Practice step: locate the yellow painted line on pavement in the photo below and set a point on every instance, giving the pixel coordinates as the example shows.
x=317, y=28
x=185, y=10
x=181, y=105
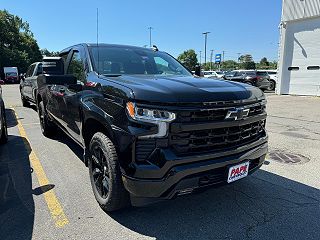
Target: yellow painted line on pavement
x=52, y=201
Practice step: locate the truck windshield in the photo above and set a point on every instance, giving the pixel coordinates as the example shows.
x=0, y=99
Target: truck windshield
x=113, y=60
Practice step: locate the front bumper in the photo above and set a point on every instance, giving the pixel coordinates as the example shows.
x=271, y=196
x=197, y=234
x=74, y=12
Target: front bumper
x=186, y=174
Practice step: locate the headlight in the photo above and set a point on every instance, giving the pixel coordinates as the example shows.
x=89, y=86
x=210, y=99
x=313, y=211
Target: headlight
x=158, y=117
x=149, y=115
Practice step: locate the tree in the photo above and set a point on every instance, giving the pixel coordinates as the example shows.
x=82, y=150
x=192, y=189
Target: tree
x=264, y=62
x=246, y=58
x=189, y=59
x=18, y=48
x=229, y=65
x=47, y=53
x=248, y=65
x=247, y=62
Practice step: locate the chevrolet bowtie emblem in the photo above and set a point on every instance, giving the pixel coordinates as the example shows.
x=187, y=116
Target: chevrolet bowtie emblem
x=237, y=113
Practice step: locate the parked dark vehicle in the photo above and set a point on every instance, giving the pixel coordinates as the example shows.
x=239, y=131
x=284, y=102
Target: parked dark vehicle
x=150, y=130
x=258, y=79
x=3, y=121
x=28, y=84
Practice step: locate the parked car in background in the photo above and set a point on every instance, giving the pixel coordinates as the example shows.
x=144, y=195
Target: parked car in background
x=273, y=74
x=29, y=86
x=11, y=75
x=213, y=74
x=3, y=121
x=255, y=78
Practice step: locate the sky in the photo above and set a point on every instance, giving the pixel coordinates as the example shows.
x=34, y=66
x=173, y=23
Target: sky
x=235, y=26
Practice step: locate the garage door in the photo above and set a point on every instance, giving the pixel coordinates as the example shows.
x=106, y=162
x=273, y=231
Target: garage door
x=302, y=61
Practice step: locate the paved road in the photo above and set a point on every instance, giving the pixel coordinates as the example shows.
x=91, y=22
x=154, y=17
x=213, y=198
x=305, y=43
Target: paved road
x=281, y=201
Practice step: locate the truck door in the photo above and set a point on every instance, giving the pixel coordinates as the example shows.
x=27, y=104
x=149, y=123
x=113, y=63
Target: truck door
x=27, y=82
x=71, y=110
x=56, y=105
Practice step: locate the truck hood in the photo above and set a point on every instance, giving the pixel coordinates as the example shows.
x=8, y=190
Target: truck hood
x=182, y=89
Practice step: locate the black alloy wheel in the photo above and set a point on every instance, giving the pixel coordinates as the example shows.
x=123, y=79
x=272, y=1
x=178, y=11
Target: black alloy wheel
x=100, y=171
x=105, y=174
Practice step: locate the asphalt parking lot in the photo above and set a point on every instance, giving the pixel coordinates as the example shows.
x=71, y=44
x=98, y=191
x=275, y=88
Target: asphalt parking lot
x=280, y=201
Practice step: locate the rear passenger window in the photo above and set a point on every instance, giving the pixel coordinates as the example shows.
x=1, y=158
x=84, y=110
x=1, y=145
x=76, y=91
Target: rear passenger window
x=313, y=67
x=31, y=70
x=293, y=68
x=76, y=67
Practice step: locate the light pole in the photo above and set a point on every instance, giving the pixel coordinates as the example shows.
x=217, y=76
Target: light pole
x=205, y=46
x=150, y=30
x=211, y=59
x=200, y=59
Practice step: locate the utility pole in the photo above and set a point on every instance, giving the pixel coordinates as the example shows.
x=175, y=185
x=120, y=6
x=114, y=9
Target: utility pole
x=211, y=59
x=200, y=59
x=150, y=30
x=223, y=52
x=205, y=46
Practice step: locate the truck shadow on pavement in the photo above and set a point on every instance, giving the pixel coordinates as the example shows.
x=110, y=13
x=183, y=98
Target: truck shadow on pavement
x=262, y=206
x=17, y=207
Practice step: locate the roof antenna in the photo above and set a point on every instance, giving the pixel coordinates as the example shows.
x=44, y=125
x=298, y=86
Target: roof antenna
x=98, y=68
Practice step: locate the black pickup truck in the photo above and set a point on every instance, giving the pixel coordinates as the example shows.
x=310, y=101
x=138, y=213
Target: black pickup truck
x=151, y=130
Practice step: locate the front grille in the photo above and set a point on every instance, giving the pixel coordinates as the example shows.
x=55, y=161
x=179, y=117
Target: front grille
x=217, y=139
x=219, y=114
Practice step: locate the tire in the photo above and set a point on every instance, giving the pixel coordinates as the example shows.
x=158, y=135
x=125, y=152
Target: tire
x=47, y=128
x=4, y=130
x=105, y=174
x=24, y=101
x=272, y=85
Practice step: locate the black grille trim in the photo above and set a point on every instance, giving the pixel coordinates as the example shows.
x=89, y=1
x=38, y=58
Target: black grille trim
x=216, y=114
x=216, y=139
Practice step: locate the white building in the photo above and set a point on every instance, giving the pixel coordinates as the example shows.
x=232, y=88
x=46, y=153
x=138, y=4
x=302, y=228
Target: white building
x=299, y=52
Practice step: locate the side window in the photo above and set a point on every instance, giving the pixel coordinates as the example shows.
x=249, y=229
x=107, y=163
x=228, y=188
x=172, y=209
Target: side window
x=39, y=70
x=31, y=70
x=76, y=67
x=162, y=65
x=28, y=71
x=64, y=57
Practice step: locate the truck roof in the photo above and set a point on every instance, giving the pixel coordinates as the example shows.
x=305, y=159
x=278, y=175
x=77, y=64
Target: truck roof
x=104, y=45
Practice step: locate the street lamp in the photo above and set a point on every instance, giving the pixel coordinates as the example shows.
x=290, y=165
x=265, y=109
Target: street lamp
x=211, y=59
x=200, y=59
x=205, y=46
